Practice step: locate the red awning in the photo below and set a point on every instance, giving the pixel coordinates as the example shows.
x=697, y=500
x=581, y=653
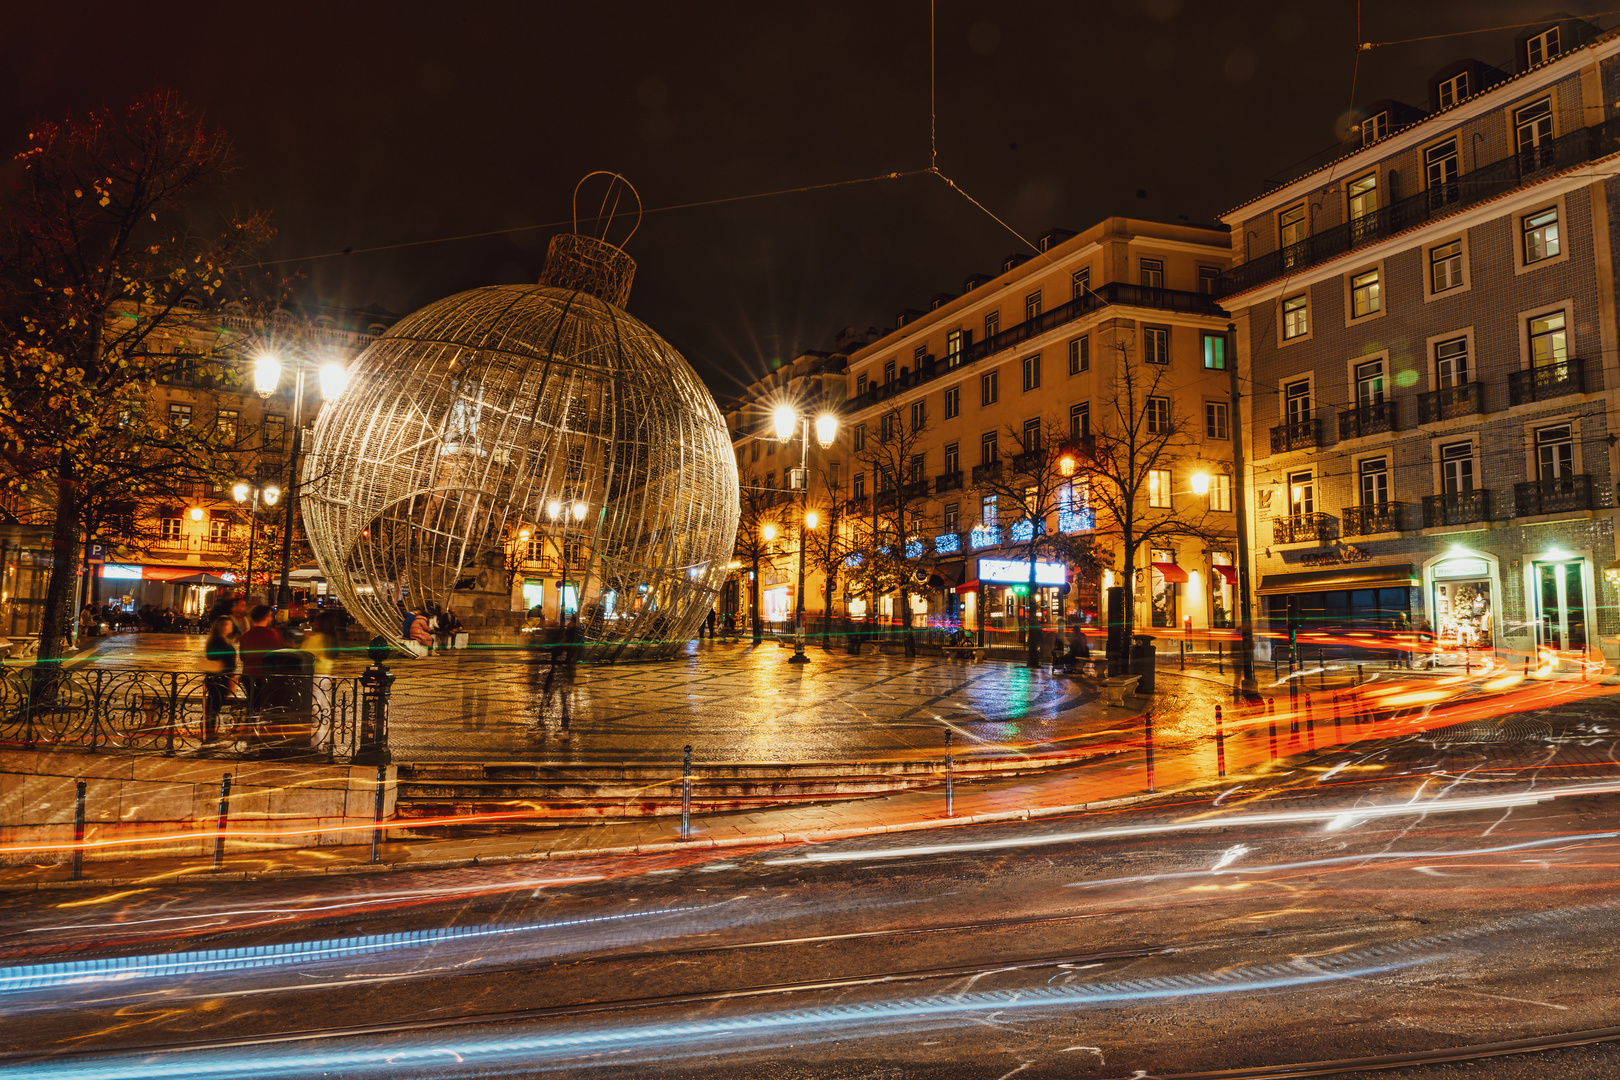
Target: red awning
x=1171, y=571
x=1227, y=572
x=967, y=587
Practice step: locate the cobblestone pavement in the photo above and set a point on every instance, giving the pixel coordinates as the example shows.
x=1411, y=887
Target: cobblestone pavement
x=736, y=703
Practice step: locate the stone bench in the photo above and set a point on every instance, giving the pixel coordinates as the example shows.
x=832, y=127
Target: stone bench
x=1117, y=688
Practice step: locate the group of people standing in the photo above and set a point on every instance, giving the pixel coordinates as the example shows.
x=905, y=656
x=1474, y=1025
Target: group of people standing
x=240, y=636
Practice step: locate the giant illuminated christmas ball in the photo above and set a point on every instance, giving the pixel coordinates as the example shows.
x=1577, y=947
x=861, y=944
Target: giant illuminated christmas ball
x=522, y=444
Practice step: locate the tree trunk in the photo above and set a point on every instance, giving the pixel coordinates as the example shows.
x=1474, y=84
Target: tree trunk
x=826, y=615
x=55, y=620
x=753, y=603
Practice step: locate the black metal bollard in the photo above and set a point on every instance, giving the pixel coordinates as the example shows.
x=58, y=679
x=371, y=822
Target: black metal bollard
x=1220, y=745
x=1184, y=654
x=78, y=832
x=950, y=780
x=1220, y=658
x=377, y=813
x=224, y=820
x=1360, y=675
x=686, y=795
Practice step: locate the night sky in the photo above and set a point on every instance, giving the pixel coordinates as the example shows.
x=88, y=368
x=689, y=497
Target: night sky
x=372, y=124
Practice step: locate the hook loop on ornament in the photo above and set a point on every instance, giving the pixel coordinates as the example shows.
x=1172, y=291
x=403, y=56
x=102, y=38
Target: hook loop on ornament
x=606, y=214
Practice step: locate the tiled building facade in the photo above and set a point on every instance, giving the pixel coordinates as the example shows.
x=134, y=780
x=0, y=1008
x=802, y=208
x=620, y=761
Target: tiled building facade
x=1040, y=345
x=1427, y=323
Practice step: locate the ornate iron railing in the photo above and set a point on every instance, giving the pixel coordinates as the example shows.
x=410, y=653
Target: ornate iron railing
x=1456, y=508
x=1466, y=399
x=1554, y=495
x=1547, y=381
x=1368, y=419
x=1302, y=529
x=138, y=711
x=1298, y=435
x=951, y=481
x=1375, y=518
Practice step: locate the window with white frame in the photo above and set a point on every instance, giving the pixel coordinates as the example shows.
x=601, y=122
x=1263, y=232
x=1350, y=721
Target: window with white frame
x=1297, y=401
x=1445, y=266
x=1296, y=317
x=1220, y=492
x=1301, y=493
x=1373, y=474
x=992, y=324
x=1079, y=355
x=1365, y=297
x=1457, y=468
x=1032, y=435
x=987, y=448
x=1079, y=283
x=1452, y=90
x=888, y=371
x=227, y=425
x=1532, y=129
x=988, y=390
x=1152, y=273
x=1540, y=231
x=989, y=517
x=1216, y=418
x=179, y=415
x=1375, y=127
x=1214, y=351
x=1555, y=453
x=1032, y=305
x=1159, y=488
x=857, y=438
x=1032, y=372
x=1158, y=415
x=953, y=402
x=1370, y=383
x=1291, y=226
x=1541, y=47
x=1440, y=163
x=953, y=348
x=952, y=512
x=1451, y=362
x=171, y=528
x=1363, y=192
x=1156, y=344
x=1080, y=420
x=1549, y=345
x=919, y=415
x=953, y=458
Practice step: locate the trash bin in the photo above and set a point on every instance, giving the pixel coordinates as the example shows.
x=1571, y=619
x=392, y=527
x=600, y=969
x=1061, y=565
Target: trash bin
x=1144, y=655
x=286, y=725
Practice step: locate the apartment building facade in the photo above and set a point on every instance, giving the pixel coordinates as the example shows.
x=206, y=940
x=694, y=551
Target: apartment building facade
x=1427, y=322
x=1041, y=347
x=171, y=549
x=812, y=384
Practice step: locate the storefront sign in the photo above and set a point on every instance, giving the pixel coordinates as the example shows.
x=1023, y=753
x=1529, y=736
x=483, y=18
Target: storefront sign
x=1461, y=568
x=1335, y=557
x=1008, y=572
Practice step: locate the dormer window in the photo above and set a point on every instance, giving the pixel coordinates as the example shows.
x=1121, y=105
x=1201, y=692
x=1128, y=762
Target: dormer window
x=1375, y=127
x=1543, y=46
x=1453, y=90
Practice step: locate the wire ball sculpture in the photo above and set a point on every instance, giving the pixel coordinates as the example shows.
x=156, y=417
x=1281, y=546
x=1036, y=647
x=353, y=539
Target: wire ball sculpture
x=527, y=431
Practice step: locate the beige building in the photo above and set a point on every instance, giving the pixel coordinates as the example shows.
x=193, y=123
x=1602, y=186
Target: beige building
x=812, y=384
x=1043, y=345
x=206, y=531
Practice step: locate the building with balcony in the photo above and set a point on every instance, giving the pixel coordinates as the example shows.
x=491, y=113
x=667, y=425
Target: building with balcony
x=1427, y=317
x=1038, y=347
x=167, y=553
x=775, y=491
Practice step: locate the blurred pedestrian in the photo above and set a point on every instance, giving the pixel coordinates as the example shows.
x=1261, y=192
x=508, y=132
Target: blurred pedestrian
x=322, y=642
x=261, y=638
x=219, y=678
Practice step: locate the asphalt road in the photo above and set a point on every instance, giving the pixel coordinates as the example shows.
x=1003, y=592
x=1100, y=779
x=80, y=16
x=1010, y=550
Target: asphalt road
x=1318, y=920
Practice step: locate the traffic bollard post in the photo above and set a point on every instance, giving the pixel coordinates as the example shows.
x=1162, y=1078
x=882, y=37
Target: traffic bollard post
x=1147, y=724
x=950, y=788
x=224, y=820
x=686, y=795
x=377, y=813
x=1220, y=745
x=78, y=832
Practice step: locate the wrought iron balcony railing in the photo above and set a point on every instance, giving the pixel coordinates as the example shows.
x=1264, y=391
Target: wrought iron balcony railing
x=951, y=481
x=1546, y=381
x=1029, y=462
x=983, y=473
x=1369, y=419
x=1465, y=399
x=1553, y=495
x=1456, y=508
x=1297, y=435
x=1479, y=185
x=1303, y=529
x=1373, y=519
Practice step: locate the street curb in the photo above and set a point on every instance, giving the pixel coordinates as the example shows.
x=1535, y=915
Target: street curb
x=662, y=847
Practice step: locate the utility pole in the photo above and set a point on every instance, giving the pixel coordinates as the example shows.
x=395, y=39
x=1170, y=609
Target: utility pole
x=1245, y=665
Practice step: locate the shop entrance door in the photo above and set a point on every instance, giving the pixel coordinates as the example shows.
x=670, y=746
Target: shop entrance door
x=1561, y=596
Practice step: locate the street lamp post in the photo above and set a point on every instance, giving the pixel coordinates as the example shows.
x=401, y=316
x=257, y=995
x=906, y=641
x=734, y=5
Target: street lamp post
x=243, y=492
x=266, y=380
x=786, y=419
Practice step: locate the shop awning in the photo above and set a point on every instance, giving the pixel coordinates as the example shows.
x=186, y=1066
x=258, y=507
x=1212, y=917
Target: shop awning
x=967, y=587
x=1338, y=577
x=1170, y=571
x=199, y=579
x=948, y=575
x=1227, y=572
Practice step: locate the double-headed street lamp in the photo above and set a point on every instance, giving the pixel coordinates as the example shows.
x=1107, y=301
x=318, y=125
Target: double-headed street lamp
x=787, y=419
x=266, y=380
x=243, y=491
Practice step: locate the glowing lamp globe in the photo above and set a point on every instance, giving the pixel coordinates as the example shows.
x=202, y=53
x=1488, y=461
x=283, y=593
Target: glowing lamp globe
x=544, y=406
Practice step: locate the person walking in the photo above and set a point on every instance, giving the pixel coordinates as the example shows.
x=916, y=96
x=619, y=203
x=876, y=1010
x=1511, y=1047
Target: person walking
x=452, y=627
x=261, y=638
x=219, y=679
x=709, y=622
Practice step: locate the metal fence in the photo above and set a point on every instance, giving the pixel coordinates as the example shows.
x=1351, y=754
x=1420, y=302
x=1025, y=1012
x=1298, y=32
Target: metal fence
x=130, y=710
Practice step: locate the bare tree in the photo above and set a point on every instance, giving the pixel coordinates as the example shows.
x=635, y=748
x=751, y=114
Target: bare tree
x=754, y=548
x=1038, y=493
x=1136, y=440
x=894, y=556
